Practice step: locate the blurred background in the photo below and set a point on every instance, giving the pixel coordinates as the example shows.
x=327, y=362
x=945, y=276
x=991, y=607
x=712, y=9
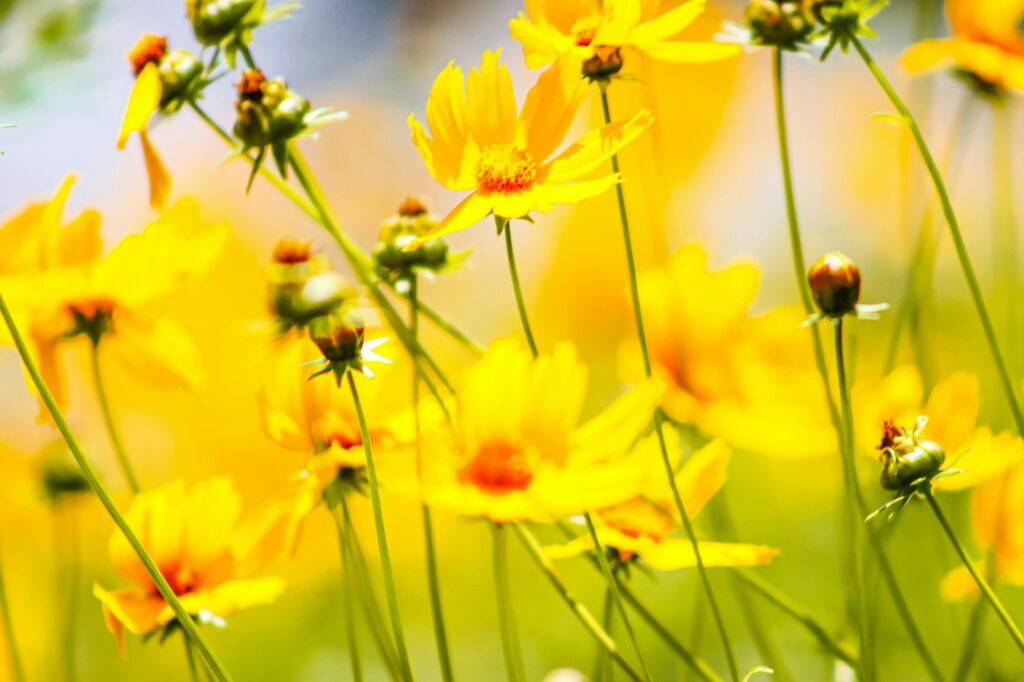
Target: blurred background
x=710, y=173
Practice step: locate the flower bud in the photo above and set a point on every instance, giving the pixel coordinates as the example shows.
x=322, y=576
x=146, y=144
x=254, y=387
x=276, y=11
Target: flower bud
x=907, y=459
x=339, y=336
x=268, y=112
x=301, y=285
x=215, y=20
x=835, y=285
x=180, y=77
x=392, y=262
x=779, y=22
x=606, y=62
x=150, y=49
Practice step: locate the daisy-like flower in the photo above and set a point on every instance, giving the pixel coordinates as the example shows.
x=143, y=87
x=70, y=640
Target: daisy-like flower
x=479, y=144
x=746, y=379
x=585, y=30
x=644, y=528
x=516, y=450
x=318, y=420
x=986, y=45
x=203, y=549
x=62, y=286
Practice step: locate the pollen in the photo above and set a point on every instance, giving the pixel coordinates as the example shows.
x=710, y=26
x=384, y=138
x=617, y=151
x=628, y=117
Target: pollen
x=149, y=50
x=505, y=168
x=498, y=469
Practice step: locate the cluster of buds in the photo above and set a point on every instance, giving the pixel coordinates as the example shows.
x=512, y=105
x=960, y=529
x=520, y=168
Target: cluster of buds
x=398, y=266
x=181, y=73
x=907, y=459
x=834, y=282
x=780, y=23
x=228, y=24
x=301, y=286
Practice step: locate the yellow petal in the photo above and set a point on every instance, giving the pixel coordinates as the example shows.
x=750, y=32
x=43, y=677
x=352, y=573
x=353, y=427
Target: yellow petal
x=548, y=195
x=468, y=213
x=157, y=351
x=690, y=52
x=595, y=148
x=959, y=585
x=490, y=102
x=703, y=475
x=542, y=43
x=620, y=20
x=550, y=109
x=676, y=553
x=143, y=102
x=927, y=55
x=134, y=609
x=952, y=411
x=616, y=428
x=230, y=597
x=668, y=23
x=159, y=178
x=983, y=457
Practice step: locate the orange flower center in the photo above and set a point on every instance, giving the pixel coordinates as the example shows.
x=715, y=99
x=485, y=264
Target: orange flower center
x=149, y=50
x=504, y=168
x=498, y=468
x=585, y=29
x=638, y=518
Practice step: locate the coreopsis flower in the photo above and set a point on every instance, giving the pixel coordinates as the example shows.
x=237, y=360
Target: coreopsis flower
x=205, y=551
x=593, y=33
x=61, y=286
x=478, y=143
x=746, y=379
x=986, y=46
x=318, y=420
x=515, y=449
x=644, y=527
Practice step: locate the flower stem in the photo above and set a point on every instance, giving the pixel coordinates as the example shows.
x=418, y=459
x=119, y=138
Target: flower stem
x=17, y=670
x=382, y=539
x=602, y=664
x=68, y=557
x=184, y=619
x=983, y=585
x=582, y=613
x=510, y=647
x=658, y=427
x=433, y=579
x=191, y=658
x=108, y=419
x=1005, y=237
x=971, y=639
x=348, y=587
x=517, y=289
x=954, y=229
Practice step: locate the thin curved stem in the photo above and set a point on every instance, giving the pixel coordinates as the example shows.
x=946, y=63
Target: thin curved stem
x=348, y=588
x=581, y=612
x=89, y=473
x=13, y=653
x=983, y=585
x=602, y=664
x=382, y=539
x=723, y=634
x=966, y=266
x=517, y=289
x=511, y=651
x=191, y=658
x=974, y=629
x=108, y=419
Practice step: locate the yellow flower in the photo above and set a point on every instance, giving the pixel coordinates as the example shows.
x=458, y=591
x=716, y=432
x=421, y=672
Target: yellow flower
x=643, y=526
x=579, y=29
x=318, y=419
x=516, y=450
x=206, y=554
x=478, y=143
x=748, y=380
x=986, y=43
x=952, y=411
x=143, y=102
x=61, y=285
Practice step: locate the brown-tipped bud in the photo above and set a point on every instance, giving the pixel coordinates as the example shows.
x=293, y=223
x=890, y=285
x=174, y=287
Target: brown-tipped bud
x=835, y=284
x=779, y=22
x=215, y=20
x=149, y=50
x=291, y=252
x=606, y=62
x=339, y=336
x=411, y=207
x=907, y=460
x=250, y=86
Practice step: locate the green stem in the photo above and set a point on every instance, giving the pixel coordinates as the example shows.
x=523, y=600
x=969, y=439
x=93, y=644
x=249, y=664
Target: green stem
x=581, y=612
x=506, y=227
x=971, y=639
x=348, y=588
x=247, y=55
x=184, y=619
x=1005, y=238
x=954, y=229
x=382, y=539
x=108, y=419
x=658, y=427
x=602, y=665
x=68, y=576
x=433, y=578
x=511, y=650
x=983, y=585
x=191, y=658
x=17, y=670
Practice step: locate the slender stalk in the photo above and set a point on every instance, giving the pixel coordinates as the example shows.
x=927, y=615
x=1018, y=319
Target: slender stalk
x=1005, y=239
x=382, y=539
x=108, y=419
x=983, y=585
x=602, y=664
x=191, y=658
x=852, y=495
x=511, y=650
x=184, y=619
x=433, y=579
x=348, y=588
x=517, y=289
x=581, y=612
x=67, y=553
x=971, y=639
x=730, y=655
x=17, y=670
x=954, y=229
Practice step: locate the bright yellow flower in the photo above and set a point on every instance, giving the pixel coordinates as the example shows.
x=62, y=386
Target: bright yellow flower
x=986, y=43
x=478, y=143
x=749, y=380
x=643, y=526
x=202, y=548
x=516, y=450
x=60, y=284
x=952, y=411
x=318, y=419
x=551, y=29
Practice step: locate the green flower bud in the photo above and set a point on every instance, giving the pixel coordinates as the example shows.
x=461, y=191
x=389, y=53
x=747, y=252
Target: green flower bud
x=300, y=286
x=835, y=285
x=268, y=113
x=180, y=76
x=215, y=20
x=780, y=22
x=392, y=262
x=606, y=62
x=339, y=336
x=907, y=459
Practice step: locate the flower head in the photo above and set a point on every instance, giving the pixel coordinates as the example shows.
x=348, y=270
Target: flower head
x=399, y=267
x=301, y=286
x=834, y=281
x=478, y=143
x=341, y=337
x=207, y=554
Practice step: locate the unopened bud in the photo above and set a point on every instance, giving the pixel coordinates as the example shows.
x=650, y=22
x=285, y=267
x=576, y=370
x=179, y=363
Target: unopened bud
x=907, y=459
x=835, y=285
x=780, y=22
x=215, y=20
x=339, y=336
x=606, y=62
x=180, y=78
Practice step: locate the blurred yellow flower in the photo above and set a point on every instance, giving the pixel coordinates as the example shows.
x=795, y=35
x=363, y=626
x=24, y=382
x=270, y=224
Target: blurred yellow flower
x=551, y=29
x=516, y=450
x=952, y=412
x=749, y=380
x=986, y=43
x=207, y=555
x=479, y=143
x=143, y=102
x=643, y=526
x=61, y=285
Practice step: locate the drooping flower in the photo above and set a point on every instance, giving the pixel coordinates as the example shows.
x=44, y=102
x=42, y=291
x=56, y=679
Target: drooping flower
x=644, y=527
x=515, y=449
x=595, y=31
x=61, y=286
x=479, y=144
x=204, y=550
x=987, y=45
